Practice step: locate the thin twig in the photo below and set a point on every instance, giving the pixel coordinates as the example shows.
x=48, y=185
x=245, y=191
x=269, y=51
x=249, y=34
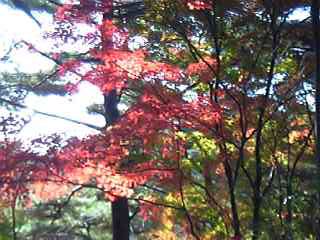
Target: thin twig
x=19, y=105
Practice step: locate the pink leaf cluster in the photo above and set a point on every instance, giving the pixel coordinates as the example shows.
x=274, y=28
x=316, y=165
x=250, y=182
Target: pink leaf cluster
x=199, y=4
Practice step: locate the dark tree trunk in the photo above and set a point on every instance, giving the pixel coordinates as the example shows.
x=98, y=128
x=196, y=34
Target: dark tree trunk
x=234, y=210
x=289, y=209
x=316, y=35
x=257, y=191
x=119, y=207
x=120, y=219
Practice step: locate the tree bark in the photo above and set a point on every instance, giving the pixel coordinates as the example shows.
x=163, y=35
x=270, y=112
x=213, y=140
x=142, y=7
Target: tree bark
x=120, y=219
x=233, y=203
x=119, y=207
x=257, y=193
x=316, y=36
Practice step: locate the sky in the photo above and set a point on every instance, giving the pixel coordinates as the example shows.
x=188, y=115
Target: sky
x=16, y=26
x=20, y=27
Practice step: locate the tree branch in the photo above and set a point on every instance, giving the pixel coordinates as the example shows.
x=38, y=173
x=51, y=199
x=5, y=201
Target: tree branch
x=19, y=105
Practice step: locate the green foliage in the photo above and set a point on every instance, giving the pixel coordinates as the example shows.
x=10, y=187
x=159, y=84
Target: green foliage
x=84, y=216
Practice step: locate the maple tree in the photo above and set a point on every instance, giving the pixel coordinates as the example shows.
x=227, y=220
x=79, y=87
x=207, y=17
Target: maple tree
x=158, y=109
x=218, y=130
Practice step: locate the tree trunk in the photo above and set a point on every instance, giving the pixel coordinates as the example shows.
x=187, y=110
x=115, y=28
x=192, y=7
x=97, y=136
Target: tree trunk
x=256, y=213
x=234, y=209
x=257, y=193
x=119, y=207
x=120, y=219
x=316, y=25
x=289, y=235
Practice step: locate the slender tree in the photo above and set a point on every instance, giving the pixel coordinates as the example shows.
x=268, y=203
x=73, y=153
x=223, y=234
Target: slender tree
x=316, y=36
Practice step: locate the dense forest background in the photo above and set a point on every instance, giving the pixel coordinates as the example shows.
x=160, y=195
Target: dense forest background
x=210, y=114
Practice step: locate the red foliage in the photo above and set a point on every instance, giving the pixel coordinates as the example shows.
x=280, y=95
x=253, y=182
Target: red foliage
x=20, y=168
x=148, y=130
x=199, y=5
x=153, y=121
x=142, y=146
x=205, y=69
x=236, y=237
x=149, y=211
x=82, y=11
x=69, y=66
x=120, y=67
